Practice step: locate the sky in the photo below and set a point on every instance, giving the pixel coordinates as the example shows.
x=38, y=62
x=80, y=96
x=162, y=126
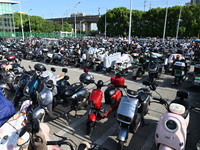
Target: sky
x=64, y=8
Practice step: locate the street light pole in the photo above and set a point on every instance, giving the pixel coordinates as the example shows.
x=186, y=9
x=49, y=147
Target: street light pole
x=105, y=24
x=130, y=19
x=62, y=23
x=179, y=19
x=165, y=22
x=75, y=19
x=80, y=25
x=29, y=22
x=22, y=27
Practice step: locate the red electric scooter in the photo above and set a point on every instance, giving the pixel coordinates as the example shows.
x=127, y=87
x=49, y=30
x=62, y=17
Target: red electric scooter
x=112, y=97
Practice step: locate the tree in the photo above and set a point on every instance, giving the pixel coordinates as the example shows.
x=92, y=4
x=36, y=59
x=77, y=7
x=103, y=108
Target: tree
x=151, y=22
x=67, y=27
x=38, y=24
x=117, y=22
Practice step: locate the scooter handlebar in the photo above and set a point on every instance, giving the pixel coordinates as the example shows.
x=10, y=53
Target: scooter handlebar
x=121, y=86
x=162, y=101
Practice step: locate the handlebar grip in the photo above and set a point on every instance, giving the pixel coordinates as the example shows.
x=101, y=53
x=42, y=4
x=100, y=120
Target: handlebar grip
x=52, y=143
x=121, y=86
x=156, y=98
x=162, y=101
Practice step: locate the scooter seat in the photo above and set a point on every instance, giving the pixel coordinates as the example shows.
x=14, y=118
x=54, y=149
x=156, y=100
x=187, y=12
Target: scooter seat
x=72, y=89
x=109, y=92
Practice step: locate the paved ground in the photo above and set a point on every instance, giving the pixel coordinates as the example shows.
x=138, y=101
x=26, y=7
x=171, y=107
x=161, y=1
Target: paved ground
x=106, y=129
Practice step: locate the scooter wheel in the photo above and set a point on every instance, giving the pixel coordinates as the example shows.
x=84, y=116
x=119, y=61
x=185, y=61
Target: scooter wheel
x=121, y=145
x=134, y=77
x=38, y=59
x=89, y=129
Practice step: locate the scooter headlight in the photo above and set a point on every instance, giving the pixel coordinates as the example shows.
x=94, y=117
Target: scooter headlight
x=171, y=125
x=123, y=118
x=41, y=97
x=26, y=91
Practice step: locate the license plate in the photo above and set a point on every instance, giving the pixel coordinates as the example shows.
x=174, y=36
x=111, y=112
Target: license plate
x=134, y=74
x=178, y=75
x=104, y=69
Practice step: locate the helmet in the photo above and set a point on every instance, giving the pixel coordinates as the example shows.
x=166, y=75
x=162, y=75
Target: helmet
x=86, y=78
x=100, y=83
x=118, y=75
x=8, y=67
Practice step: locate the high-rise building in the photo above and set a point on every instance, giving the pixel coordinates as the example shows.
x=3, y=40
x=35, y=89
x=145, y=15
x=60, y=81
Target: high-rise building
x=197, y=2
x=6, y=17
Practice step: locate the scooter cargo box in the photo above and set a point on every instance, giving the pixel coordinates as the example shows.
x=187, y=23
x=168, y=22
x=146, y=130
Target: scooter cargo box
x=179, y=65
x=117, y=81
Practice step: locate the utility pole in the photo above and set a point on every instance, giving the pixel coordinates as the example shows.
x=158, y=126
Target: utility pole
x=179, y=20
x=99, y=11
x=21, y=20
x=145, y=1
x=150, y=6
x=29, y=21
x=75, y=19
x=105, y=24
x=130, y=19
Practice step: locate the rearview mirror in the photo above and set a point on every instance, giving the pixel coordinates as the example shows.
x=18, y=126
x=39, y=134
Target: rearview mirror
x=64, y=70
x=182, y=94
x=146, y=83
x=53, y=69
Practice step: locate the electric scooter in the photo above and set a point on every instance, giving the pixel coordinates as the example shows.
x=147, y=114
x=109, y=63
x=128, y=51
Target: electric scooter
x=179, y=70
x=112, y=97
x=11, y=128
x=171, y=131
x=132, y=109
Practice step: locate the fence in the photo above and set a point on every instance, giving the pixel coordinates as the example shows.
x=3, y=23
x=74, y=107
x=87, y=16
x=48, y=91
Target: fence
x=36, y=34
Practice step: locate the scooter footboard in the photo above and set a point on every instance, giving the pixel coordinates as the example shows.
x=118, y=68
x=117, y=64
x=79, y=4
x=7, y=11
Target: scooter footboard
x=4, y=86
x=164, y=147
x=123, y=134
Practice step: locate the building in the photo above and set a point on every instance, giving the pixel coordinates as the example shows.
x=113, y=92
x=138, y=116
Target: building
x=6, y=17
x=197, y=2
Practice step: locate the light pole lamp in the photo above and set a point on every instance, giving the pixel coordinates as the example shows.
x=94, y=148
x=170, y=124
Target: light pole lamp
x=75, y=19
x=29, y=21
